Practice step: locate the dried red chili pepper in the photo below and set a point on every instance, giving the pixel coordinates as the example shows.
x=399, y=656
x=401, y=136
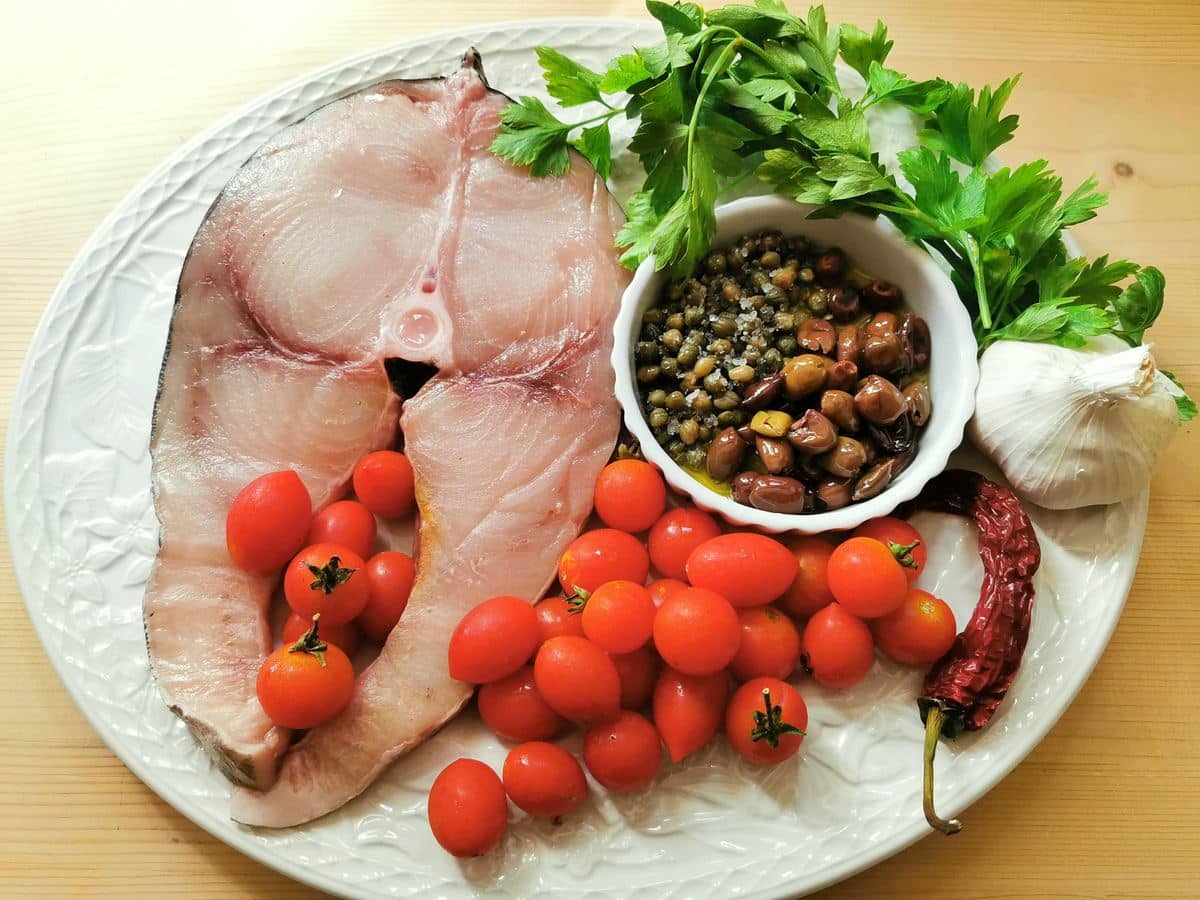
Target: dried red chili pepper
x=964, y=687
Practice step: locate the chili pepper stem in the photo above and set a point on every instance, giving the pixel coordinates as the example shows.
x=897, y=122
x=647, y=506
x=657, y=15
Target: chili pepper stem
x=933, y=732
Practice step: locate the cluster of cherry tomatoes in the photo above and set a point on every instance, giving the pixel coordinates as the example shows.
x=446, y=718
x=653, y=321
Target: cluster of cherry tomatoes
x=640, y=666
x=338, y=589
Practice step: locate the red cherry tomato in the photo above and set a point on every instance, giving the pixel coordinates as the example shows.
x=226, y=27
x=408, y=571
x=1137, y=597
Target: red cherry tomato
x=544, y=779
x=637, y=671
x=556, y=617
x=904, y=541
x=770, y=645
x=390, y=577
x=630, y=495
x=865, y=578
x=383, y=481
x=468, y=809
x=746, y=569
x=267, y=522
x=347, y=523
x=515, y=711
x=577, y=679
x=674, y=537
x=697, y=632
x=623, y=755
x=493, y=640
x=344, y=636
x=326, y=579
x=664, y=588
x=838, y=647
x=765, y=721
x=688, y=710
x=619, y=616
x=920, y=631
x=810, y=591
x=602, y=555
x=305, y=684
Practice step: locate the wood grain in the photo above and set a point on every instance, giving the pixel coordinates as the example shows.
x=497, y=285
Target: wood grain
x=96, y=95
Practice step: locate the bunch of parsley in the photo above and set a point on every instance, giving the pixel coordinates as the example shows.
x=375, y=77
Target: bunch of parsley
x=743, y=90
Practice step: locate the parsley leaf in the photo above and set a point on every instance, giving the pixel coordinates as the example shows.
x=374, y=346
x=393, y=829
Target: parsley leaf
x=1183, y=403
x=860, y=49
x=677, y=18
x=595, y=144
x=623, y=72
x=567, y=81
x=1139, y=304
x=969, y=131
x=920, y=96
x=532, y=137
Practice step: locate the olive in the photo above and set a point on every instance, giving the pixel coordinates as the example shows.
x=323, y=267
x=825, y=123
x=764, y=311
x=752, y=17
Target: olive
x=838, y=407
x=777, y=493
x=846, y=458
x=689, y=431
x=803, y=375
x=849, y=344
x=919, y=403
x=830, y=266
x=776, y=455
x=812, y=433
x=763, y=393
x=770, y=423
x=843, y=303
x=914, y=336
x=657, y=397
x=669, y=366
x=874, y=480
x=646, y=351
x=842, y=375
x=742, y=484
x=882, y=349
x=647, y=374
x=659, y=418
x=833, y=493
x=715, y=263
x=816, y=336
x=746, y=433
x=676, y=401
x=878, y=400
x=880, y=295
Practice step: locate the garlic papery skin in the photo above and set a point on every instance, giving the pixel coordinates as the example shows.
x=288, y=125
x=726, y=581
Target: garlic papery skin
x=1072, y=428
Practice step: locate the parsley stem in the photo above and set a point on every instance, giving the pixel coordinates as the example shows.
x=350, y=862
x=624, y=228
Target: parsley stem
x=985, y=313
x=714, y=73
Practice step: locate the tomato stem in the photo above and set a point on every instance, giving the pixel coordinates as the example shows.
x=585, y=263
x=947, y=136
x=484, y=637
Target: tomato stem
x=577, y=601
x=310, y=642
x=769, y=726
x=903, y=553
x=330, y=575
x=935, y=719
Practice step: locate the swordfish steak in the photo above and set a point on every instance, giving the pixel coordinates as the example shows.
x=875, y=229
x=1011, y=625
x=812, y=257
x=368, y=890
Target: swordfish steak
x=377, y=229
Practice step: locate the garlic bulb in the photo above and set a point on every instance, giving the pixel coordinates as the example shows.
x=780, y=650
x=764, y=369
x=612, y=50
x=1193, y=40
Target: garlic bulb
x=1072, y=428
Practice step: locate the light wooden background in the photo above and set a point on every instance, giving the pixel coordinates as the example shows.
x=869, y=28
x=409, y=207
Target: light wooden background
x=94, y=95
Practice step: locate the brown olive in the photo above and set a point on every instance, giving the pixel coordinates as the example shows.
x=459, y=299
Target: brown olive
x=776, y=454
x=816, y=336
x=838, y=407
x=846, y=458
x=882, y=350
x=874, y=480
x=841, y=376
x=919, y=403
x=725, y=454
x=763, y=392
x=843, y=303
x=746, y=433
x=812, y=433
x=742, y=484
x=777, y=493
x=803, y=375
x=849, y=344
x=830, y=266
x=878, y=400
x=833, y=493
x=914, y=337
x=880, y=295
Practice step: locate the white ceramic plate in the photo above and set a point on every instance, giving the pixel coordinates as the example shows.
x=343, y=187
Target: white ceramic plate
x=77, y=490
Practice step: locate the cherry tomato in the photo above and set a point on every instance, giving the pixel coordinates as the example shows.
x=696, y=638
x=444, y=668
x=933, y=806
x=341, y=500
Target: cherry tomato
x=920, y=631
x=468, y=809
x=346, y=637
x=838, y=647
x=865, y=578
x=577, y=679
x=602, y=555
x=688, y=710
x=630, y=495
x=770, y=645
x=637, y=671
x=902, y=539
x=493, y=640
x=556, y=617
x=765, y=721
x=267, y=522
x=306, y=683
x=326, y=579
x=697, y=632
x=625, y=754
x=515, y=711
x=810, y=591
x=390, y=577
x=383, y=481
x=674, y=537
x=746, y=569
x=663, y=588
x=346, y=522
x=544, y=779
x=619, y=616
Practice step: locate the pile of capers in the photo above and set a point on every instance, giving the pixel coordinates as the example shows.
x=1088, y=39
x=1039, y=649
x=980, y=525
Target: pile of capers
x=750, y=370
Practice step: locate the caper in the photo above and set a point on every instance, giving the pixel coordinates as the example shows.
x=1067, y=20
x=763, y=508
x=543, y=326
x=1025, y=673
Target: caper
x=702, y=403
x=675, y=448
x=759, y=278
x=752, y=355
x=721, y=347
x=704, y=366
x=674, y=291
x=714, y=382
x=773, y=358
x=695, y=336
x=658, y=418
x=806, y=275
x=772, y=293
x=676, y=401
x=672, y=339
x=669, y=366
x=731, y=291
x=675, y=320
x=786, y=344
x=784, y=278
x=646, y=351
x=818, y=300
x=730, y=417
x=689, y=432
x=770, y=260
x=694, y=458
x=728, y=400
x=741, y=374
x=647, y=374
x=652, y=316
x=657, y=397
x=725, y=326
x=785, y=321
x=662, y=437
x=715, y=263
x=689, y=382
x=693, y=315
x=687, y=354
x=705, y=432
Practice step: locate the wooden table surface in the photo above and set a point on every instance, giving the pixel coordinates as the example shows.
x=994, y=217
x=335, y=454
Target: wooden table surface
x=96, y=95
